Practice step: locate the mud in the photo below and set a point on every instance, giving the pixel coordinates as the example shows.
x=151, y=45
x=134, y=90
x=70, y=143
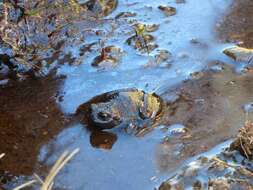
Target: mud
x=211, y=109
x=29, y=117
x=236, y=26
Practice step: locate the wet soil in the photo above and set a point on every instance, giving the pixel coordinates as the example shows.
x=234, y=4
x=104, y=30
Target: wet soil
x=211, y=109
x=236, y=25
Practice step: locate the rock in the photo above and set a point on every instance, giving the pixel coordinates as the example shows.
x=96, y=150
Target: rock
x=110, y=57
x=125, y=15
x=218, y=184
x=4, y=82
x=104, y=7
x=130, y=108
x=167, y=10
x=143, y=43
x=240, y=54
x=152, y=27
x=248, y=108
x=165, y=186
x=162, y=56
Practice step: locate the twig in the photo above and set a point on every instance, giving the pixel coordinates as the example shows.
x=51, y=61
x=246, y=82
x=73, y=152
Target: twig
x=38, y=178
x=60, y=163
x=26, y=184
x=49, y=181
x=237, y=168
x=243, y=148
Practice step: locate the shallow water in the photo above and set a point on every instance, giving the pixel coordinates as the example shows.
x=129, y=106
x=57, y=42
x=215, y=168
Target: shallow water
x=192, y=21
x=132, y=163
x=135, y=163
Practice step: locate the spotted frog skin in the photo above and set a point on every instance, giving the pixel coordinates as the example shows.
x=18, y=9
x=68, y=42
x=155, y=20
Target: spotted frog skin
x=131, y=108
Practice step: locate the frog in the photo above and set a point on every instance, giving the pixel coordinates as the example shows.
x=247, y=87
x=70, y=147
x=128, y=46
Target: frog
x=131, y=109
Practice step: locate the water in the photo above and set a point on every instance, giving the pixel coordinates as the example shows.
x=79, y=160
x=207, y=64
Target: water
x=132, y=162
x=192, y=21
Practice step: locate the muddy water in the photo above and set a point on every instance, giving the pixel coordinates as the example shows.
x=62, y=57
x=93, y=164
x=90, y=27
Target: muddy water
x=208, y=110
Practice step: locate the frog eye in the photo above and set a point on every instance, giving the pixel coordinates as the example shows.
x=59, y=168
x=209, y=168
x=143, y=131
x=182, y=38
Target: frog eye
x=104, y=116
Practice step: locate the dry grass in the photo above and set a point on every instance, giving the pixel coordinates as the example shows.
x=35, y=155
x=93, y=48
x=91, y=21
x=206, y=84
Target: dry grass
x=25, y=184
x=244, y=141
x=242, y=170
x=48, y=183
x=2, y=155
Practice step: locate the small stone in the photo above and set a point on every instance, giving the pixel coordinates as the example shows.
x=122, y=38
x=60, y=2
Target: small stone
x=142, y=42
x=110, y=57
x=248, y=108
x=165, y=186
x=4, y=82
x=152, y=27
x=240, y=54
x=167, y=10
x=197, y=75
x=177, y=130
x=125, y=15
x=162, y=56
x=218, y=184
x=197, y=185
x=102, y=8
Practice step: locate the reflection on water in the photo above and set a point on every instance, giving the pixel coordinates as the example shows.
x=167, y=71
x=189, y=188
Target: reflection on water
x=129, y=165
x=133, y=163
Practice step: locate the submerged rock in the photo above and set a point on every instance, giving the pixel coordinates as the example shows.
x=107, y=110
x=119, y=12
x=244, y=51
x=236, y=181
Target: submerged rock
x=143, y=43
x=132, y=108
x=125, y=15
x=162, y=56
x=167, y=10
x=151, y=27
x=240, y=54
x=110, y=57
x=142, y=40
